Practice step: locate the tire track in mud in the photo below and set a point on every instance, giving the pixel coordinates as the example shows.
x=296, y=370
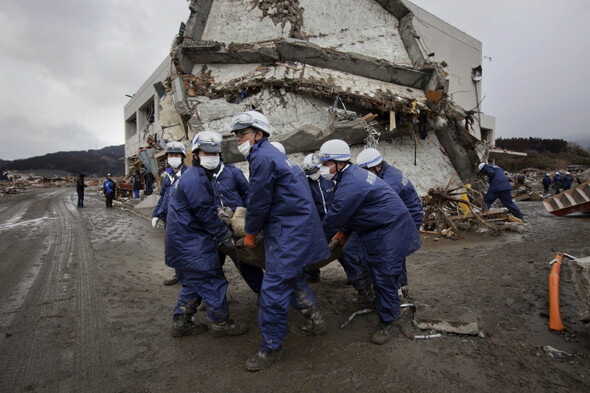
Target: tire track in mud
x=58, y=339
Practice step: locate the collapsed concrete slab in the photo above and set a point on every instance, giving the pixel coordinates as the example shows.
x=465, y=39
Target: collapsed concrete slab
x=356, y=70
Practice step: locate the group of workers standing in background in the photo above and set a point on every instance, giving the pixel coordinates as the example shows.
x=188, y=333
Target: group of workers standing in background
x=371, y=209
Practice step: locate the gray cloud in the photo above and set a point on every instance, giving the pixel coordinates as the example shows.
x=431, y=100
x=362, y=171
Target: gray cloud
x=66, y=66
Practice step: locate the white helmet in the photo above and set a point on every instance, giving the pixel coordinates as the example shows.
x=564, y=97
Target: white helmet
x=208, y=141
x=335, y=150
x=176, y=148
x=252, y=119
x=546, y=174
x=567, y=173
x=310, y=164
x=557, y=173
x=279, y=146
x=369, y=158
x=480, y=166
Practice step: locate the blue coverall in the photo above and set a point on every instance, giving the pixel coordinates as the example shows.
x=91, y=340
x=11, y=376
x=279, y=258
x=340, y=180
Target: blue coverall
x=387, y=234
x=546, y=183
x=230, y=188
x=558, y=183
x=161, y=208
x=567, y=182
x=193, y=229
x=282, y=206
x=499, y=187
x=322, y=192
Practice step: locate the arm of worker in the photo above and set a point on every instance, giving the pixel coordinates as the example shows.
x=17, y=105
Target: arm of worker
x=261, y=192
x=199, y=196
x=345, y=204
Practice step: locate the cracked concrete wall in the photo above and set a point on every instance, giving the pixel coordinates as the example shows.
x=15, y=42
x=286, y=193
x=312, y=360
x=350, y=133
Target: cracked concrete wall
x=357, y=26
x=433, y=169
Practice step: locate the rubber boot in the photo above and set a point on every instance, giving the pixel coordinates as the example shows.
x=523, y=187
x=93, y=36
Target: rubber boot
x=386, y=330
x=315, y=325
x=366, y=296
x=228, y=328
x=183, y=325
x=262, y=360
x=171, y=281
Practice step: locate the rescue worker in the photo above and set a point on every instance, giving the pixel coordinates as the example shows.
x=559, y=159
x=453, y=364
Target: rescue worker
x=282, y=206
x=567, y=181
x=387, y=234
x=546, y=183
x=80, y=189
x=175, y=155
x=136, y=183
x=230, y=189
x=557, y=183
x=499, y=187
x=322, y=192
x=193, y=232
x=372, y=160
x=109, y=190
x=149, y=182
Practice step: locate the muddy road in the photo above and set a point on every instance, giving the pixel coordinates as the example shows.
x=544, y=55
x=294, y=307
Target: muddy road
x=83, y=309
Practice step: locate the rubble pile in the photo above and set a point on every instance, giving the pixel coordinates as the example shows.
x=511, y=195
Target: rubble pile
x=447, y=211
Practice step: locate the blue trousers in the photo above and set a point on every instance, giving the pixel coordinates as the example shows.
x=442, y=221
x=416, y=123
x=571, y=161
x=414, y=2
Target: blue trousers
x=356, y=271
x=278, y=292
x=251, y=274
x=386, y=278
x=505, y=198
x=208, y=286
x=136, y=194
x=81, y=199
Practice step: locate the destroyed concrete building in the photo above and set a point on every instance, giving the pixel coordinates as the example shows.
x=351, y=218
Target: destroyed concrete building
x=379, y=73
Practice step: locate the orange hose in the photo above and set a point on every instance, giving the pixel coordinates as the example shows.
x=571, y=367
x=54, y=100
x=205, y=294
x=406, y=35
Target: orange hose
x=555, y=322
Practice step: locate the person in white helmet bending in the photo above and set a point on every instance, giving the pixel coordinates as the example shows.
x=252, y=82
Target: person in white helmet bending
x=387, y=234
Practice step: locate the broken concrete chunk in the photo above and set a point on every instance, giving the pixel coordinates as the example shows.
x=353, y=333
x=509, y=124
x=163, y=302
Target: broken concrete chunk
x=471, y=328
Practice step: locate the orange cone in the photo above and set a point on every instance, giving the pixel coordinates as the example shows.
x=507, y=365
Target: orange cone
x=555, y=322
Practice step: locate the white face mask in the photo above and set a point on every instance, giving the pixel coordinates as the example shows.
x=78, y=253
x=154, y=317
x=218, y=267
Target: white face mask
x=209, y=162
x=325, y=172
x=174, y=162
x=244, y=148
x=315, y=176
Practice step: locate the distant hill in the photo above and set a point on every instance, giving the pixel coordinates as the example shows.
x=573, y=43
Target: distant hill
x=90, y=162
x=545, y=154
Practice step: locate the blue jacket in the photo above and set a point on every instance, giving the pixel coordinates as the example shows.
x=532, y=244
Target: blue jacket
x=567, y=181
x=497, y=178
x=193, y=227
x=322, y=192
x=405, y=189
x=230, y=187
x=557, y=179
x=282, y=206
x=109, y=186
x=369, y=206
x=546, y=181
x=162, y=207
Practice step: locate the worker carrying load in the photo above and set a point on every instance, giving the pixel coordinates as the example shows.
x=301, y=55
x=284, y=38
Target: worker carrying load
x=387, y=234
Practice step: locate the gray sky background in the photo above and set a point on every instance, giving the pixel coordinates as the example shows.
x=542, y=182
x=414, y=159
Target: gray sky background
x=65, y=66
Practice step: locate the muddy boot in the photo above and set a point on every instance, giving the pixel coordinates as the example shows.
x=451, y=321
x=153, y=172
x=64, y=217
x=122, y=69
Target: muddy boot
x=366, y=297
x=228, y=328
x=202, y=307
x=386, y=330
x=263, y=360
x=171, y=281
x=315, y=325
x=183, y=325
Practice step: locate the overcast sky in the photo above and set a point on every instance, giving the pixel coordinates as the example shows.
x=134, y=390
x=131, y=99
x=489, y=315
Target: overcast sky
x=66, y=65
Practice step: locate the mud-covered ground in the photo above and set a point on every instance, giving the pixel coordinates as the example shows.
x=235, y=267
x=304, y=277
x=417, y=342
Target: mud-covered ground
x=83, y=308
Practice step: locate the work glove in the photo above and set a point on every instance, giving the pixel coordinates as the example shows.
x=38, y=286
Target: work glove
x=225, y=214
x=155, y=221
x=341, y=237
x=227, y=241
x=250, y=241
